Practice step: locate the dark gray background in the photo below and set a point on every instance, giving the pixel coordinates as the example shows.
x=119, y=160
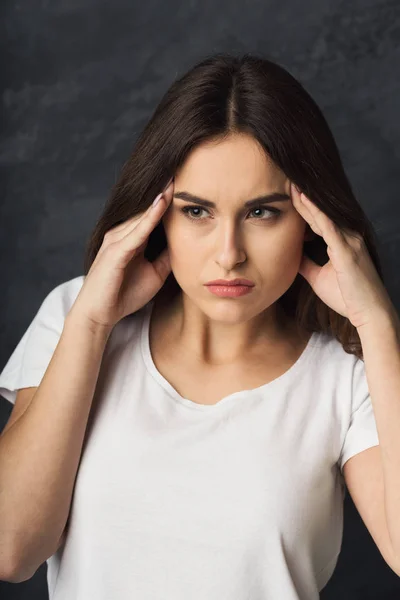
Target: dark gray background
x=80, y=80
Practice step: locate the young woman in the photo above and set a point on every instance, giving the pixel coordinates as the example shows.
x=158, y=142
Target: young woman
x=177, y=439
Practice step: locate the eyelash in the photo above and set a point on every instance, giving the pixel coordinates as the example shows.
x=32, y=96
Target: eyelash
x=186, y=209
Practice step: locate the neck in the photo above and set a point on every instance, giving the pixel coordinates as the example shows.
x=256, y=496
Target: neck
x=185, y=327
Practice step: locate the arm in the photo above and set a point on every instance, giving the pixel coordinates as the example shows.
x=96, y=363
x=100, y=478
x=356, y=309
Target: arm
x=40, y=452
x=380, y=342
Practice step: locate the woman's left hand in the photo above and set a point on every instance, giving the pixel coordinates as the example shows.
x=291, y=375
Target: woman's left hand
x=348, y=283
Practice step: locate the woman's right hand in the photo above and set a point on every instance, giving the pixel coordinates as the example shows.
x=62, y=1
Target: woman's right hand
x=120, y=280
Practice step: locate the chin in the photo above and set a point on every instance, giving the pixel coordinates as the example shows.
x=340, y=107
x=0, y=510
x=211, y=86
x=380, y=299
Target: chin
x=231, y=310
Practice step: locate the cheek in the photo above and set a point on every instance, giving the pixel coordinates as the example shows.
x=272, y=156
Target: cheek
x=282, y=257
x=181, y=243
x=290, y=256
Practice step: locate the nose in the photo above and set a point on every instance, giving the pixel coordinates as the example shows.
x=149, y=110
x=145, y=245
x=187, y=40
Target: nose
x=230, y=250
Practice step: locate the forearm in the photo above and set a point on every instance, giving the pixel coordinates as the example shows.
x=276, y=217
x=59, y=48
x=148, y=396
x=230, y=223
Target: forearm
x=40, y=453
x=380, y=342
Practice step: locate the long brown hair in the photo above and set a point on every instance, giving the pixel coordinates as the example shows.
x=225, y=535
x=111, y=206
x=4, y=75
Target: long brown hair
x=226, y=94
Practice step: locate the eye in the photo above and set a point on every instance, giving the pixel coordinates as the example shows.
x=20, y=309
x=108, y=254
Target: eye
x=188, y=208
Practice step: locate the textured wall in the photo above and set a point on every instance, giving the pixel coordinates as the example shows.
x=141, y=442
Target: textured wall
x=80, y=80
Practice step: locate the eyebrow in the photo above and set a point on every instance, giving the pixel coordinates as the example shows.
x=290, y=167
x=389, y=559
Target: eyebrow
x=265, y=199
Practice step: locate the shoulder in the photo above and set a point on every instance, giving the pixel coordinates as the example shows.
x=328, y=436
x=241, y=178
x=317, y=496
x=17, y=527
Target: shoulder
x=332, y=365
x=341, y=370
x=65, y=293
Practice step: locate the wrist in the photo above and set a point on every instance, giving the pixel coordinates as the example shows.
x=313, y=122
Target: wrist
x=78, y=321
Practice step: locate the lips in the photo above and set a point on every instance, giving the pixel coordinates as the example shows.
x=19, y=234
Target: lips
x=231, y=282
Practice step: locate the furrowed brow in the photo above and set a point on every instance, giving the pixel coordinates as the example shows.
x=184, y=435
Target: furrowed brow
x=264, y=199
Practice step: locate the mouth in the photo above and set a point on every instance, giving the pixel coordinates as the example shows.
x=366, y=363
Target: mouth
x=231, y=282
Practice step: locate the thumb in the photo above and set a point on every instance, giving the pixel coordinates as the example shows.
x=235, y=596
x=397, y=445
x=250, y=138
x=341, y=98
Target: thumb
x=162, y=264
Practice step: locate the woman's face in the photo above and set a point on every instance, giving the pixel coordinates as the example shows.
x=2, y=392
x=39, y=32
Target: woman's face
x=263, y=244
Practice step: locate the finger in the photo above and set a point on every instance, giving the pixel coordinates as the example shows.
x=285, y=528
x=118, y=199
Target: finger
x=302, y=205
x=118, y=232
x=320, y=223
x=128, y=223
x=132, y=243
x=168, y=190
x=323, y=225
x=145, y=226
x=135, y=220
x=122, y=229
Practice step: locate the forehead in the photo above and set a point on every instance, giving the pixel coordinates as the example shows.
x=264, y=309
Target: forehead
x=237, y=162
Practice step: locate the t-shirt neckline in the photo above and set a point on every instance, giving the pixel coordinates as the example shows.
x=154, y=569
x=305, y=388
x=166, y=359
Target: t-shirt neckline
x=283, y=379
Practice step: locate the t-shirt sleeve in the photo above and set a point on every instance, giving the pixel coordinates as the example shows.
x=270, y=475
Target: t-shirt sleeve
x=362, y=432
x=30, y=359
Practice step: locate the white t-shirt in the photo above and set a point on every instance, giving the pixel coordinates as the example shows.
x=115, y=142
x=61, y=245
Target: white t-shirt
x=177, y=500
